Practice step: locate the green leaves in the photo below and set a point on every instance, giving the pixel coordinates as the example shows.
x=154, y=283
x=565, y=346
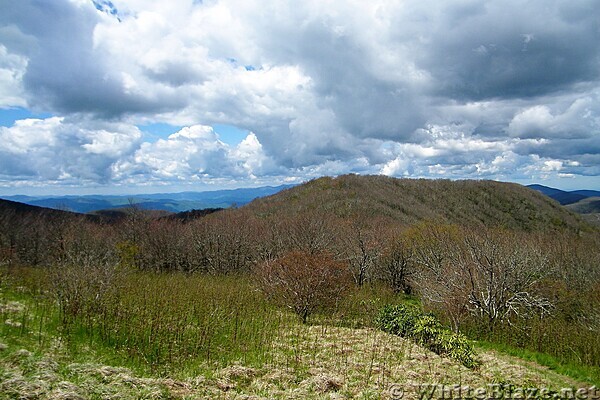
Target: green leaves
x=425, y=330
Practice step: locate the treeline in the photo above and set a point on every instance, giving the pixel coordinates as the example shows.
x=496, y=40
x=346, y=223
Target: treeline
x=441, y=262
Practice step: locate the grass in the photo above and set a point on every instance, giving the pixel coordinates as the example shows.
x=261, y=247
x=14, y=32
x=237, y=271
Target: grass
x=559, y=342
x=580, y=372
x=155, y=322
x=309, y=362
x=165, y=336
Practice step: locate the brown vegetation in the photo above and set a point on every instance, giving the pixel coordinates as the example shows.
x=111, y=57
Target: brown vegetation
x=303, y=282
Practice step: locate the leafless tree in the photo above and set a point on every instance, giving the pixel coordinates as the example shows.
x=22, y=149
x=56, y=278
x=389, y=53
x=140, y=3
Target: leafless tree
x=397, y=264
x=223, y=243
x=485, y=273
x=363, y=252
x=303, y=282
x=311, y=232
x=503, y=270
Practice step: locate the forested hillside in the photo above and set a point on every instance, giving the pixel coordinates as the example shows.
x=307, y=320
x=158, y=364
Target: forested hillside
x=408, y=201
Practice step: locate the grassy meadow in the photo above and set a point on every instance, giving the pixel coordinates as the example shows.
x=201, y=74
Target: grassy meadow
x=172, y=335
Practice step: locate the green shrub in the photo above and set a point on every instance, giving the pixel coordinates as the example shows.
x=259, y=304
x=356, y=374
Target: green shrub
x=398, y=320
x=425, y=330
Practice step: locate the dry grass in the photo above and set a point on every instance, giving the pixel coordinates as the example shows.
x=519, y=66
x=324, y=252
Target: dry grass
x=309, y=362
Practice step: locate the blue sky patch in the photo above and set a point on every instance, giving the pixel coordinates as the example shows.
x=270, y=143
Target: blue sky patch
x=230, y=134
x=10, y=115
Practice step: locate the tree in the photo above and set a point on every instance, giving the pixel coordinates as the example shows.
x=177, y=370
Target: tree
x=312, y=232
x=397, y=265
x=442, y=285
x=223, y=243
x=481, y=273
x=502, y=276
x=304, y=282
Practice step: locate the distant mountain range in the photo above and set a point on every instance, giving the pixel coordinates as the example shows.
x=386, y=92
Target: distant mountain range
x=584, y=202
x=565, y=197
x=172, y=202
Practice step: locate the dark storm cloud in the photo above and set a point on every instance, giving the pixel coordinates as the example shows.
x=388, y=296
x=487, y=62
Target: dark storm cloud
x=65, y=72
x=364, y=105
x=512, y=49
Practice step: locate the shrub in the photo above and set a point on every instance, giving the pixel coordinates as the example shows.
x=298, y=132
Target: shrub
x=304, y=282
x=425, y=330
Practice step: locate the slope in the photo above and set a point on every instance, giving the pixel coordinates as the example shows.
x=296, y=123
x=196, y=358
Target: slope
x=589, y=208
x=588, y=205
x=407, y=201
x=22, y=211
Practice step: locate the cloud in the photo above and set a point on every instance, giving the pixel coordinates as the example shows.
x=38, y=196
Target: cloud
x=581, y=119
x=61, y=150
x=66, y=72
x=191, y=154
x=484, y=50
x=12, y=69
x=421, y=88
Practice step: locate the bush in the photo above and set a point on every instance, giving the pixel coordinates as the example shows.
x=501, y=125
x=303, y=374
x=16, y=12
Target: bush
x=425, y=330
x=304, y=282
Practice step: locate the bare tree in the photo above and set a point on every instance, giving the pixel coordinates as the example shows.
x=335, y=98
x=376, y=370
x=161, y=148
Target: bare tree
x=397, y=264
x=223, y=243
x=485, y=273
x=311, y=232
x=438, y=279
x=303, y=282
x=363, y=246
x=502, y=270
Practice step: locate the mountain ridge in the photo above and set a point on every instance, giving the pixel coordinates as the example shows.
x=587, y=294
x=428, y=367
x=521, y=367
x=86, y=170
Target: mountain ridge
x=384, y=200
x=564, y=197
x=408, y=201
x=172, y=202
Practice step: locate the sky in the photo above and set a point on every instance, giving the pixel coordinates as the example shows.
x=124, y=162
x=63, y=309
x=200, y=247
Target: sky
x=133, y=96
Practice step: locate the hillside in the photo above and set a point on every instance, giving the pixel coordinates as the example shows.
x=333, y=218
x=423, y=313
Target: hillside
x=280, y=298
x=309, y=362
x=22, y=212
x=369, y=198
x=408, y=201
x=589, y=208
x=588, y=205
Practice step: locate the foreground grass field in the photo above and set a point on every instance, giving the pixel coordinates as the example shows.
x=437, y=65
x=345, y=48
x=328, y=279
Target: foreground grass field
x=165, y=336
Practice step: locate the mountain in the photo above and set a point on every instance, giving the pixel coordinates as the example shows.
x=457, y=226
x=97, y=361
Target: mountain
x=172, y=202
x=375, y=200
x=589, y=205
x=588, y=193
x=21, y=212
x=589, y=208
x=407, y=201
x=565, y=197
